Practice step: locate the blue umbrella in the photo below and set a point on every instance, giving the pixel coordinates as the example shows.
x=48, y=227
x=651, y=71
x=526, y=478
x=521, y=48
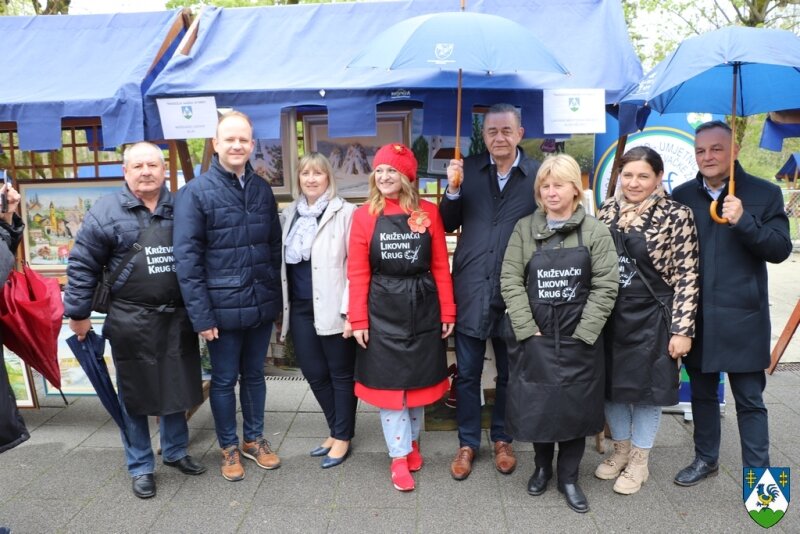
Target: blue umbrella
x=89, y=353
x=735, y=70
x=459, y=41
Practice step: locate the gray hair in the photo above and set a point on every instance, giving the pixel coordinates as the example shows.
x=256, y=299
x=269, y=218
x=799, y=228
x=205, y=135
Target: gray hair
x=497, y=109
x=126, y=154
x=710, y=125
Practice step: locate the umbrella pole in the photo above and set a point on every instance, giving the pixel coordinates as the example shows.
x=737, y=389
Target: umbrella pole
x=457, y=154
x=458, y=118
x=731, y=184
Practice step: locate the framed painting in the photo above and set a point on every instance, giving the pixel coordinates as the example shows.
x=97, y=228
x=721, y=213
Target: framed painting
x=73, y=380
x=351, y=157
x=19, y=377
x=268, y=161
x=53, y=211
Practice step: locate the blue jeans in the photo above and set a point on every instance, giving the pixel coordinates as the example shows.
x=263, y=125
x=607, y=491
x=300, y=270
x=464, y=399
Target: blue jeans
x=238, y=355
x=174, y=434
x=470, y=353
x=637, y=423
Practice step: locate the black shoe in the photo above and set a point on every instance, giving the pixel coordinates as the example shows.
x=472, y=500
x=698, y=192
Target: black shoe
x=697, y=471
x=537, y=484
x=574, y=497
x=320, y=451
x=144, y=486
x=187, y=466
x=329, y=462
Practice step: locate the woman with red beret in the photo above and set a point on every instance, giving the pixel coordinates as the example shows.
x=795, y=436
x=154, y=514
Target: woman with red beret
x=401, y=305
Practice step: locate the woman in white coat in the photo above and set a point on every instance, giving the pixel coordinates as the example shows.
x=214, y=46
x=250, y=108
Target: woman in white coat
x=316, y=230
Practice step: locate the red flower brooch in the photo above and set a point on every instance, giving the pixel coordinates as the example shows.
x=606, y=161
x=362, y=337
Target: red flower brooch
x=419, y=221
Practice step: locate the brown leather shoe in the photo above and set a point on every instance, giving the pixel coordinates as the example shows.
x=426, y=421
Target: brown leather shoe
x=504, y=459
x=261, y=453
x=461, y=466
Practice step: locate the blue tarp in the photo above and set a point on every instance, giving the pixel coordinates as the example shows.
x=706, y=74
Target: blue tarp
x=58, y=67
x=789, y=167
x=263, y=60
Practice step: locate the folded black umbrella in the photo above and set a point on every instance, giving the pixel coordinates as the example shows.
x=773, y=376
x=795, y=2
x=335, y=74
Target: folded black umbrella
x=89, y=353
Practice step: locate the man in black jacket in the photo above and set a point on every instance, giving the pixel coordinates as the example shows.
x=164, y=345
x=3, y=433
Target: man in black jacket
x=496, y=191
x=156, y=353
x=733, y=326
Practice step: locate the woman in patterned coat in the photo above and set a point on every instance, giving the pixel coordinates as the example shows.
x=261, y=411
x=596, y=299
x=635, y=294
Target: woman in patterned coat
x=653, y=321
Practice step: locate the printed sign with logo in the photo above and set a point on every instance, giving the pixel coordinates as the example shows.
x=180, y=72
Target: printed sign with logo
x=574, y=111
x=187, y=118
x=766, y=493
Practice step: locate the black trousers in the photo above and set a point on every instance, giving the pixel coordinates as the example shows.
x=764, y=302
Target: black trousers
x=570, y=453
x=328, y=364
x=751, y=415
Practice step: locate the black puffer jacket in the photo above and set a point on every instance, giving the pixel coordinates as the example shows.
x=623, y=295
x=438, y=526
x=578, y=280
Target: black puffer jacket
x=228, y=250
x=108, y=232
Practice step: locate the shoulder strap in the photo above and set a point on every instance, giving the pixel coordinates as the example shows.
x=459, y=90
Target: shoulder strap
x=109, y=280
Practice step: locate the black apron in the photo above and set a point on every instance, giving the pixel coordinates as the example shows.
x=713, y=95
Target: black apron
x=555, y=386
x=155, y=350
x=405, y=348
x=639, y=369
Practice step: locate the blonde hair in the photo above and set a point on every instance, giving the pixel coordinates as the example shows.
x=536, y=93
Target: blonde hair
x=317, y=162
x=408, y=197
x=562, y=168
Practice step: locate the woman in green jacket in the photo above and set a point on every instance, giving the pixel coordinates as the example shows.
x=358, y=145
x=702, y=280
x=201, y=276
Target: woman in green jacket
x=559, y=282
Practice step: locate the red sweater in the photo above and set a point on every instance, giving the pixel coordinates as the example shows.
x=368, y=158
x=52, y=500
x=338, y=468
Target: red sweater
x=359, y=274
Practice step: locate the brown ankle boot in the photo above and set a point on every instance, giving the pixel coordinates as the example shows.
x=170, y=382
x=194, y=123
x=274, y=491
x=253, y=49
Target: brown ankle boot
x=614, y=464
x=635, y=474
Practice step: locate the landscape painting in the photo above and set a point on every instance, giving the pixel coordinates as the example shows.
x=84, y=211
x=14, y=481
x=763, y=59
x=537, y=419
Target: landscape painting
x=53, y=212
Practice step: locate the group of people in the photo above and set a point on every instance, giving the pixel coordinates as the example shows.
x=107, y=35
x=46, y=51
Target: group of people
x=589, y=318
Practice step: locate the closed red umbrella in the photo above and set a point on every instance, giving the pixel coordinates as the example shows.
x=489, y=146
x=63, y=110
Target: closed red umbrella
x=30, y=319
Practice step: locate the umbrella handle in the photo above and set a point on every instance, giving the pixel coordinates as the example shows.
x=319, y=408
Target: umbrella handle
x=716, y=218
x=713, y=208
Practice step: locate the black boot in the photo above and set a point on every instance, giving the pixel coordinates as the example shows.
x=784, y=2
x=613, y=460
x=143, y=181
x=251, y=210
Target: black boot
x=538, y=481
x=574, y=497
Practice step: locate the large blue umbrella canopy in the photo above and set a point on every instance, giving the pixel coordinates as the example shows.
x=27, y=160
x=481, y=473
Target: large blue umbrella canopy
x=89, y=354
x=476, y=42
x=459, y=41
x=699, y=75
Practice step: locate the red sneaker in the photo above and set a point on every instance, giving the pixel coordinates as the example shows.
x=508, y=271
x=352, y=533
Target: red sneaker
x=401, y=476
x=414, y=458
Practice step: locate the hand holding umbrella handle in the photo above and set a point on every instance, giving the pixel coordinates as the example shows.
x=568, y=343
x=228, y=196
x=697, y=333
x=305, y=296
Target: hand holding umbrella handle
x=713, y=208
x=455, y=174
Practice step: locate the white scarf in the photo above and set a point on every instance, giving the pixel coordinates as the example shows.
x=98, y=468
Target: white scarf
x=301, y=235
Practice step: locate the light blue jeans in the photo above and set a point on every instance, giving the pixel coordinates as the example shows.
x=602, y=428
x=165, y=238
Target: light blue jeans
x=638, y=423
x=400, y=428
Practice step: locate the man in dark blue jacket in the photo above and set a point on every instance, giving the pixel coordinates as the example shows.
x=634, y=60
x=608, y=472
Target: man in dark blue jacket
x=228, y=256
x=128, y=235
x=733, y=326
x=497, y=191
